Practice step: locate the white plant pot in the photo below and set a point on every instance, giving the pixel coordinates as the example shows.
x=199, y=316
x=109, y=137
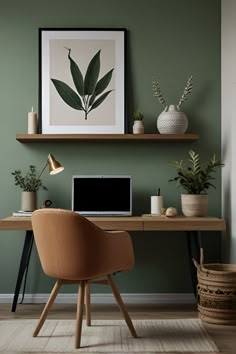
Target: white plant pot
x=194, y=204
x=172, y=121
x=29, y=201
x=138, y=127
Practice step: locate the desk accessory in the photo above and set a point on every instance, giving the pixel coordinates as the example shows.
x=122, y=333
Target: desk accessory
x=157, y=203
x=171, y=212
x=31, y=183
x=22, y=213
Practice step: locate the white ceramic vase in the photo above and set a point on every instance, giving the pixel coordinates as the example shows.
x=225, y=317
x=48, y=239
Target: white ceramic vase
x=29, y=201
x=172, y=121
x=194, y=204
x=138, y=127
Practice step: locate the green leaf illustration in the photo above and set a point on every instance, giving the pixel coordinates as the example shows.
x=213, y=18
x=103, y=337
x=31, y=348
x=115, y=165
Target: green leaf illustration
x=92, y=73
x=89, y=89
x=100, y=100
x=92, y=99
x=68, y=95
x=76, y=75
x=103, y=83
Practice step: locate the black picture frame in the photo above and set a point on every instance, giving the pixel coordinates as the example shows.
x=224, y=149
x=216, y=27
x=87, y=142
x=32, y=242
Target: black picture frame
x=82, y=87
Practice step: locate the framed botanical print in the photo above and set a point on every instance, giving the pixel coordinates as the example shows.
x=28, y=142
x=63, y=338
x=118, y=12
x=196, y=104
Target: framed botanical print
x=82, y=81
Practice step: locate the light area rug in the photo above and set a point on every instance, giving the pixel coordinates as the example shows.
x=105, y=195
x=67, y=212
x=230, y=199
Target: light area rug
x=107, y=336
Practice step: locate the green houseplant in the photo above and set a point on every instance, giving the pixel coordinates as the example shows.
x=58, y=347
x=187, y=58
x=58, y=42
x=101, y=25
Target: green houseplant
x=138, y=115
x=138, y=126
x=30, y=183
x=195, y=179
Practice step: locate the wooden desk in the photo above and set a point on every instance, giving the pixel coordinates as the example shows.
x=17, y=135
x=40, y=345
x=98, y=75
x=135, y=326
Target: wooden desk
x=191, y=225
x=133, y=223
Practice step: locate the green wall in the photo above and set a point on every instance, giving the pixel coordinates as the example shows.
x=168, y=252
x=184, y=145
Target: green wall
x=167, y=38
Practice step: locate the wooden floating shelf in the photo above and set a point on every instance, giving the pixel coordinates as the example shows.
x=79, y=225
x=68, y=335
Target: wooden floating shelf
x=34, y=138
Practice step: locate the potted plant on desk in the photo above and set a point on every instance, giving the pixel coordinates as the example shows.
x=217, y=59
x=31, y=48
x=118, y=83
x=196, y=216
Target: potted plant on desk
x=30, y=184
x=195, y=180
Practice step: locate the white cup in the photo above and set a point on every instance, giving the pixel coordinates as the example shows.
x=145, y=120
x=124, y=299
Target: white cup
x=156, y=204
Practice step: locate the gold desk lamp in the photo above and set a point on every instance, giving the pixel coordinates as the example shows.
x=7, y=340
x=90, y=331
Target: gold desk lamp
x=53, y=165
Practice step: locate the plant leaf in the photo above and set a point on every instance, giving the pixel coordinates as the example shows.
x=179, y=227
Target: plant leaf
x=99, y=100
x=92, y=99
x=103, y=82
x=76, y=75
x=68, y=95
x=92, y=73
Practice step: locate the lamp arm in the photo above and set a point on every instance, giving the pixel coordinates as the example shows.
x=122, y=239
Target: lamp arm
x=42, y=170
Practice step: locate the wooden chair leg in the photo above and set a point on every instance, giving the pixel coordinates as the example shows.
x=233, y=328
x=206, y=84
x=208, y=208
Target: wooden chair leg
x=87, y=304
x=122, y=306
x=79, y=316
x=50, y=302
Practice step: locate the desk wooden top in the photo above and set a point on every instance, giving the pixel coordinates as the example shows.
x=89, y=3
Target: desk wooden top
x=133, y=223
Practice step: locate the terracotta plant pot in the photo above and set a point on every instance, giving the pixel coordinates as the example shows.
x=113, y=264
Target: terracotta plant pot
x=194, y=204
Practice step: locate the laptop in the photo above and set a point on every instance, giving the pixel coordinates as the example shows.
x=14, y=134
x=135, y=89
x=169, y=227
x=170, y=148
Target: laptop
x=102, y=195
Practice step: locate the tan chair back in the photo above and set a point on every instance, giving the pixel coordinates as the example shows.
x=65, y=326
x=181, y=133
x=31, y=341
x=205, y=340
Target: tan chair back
x=71, y=247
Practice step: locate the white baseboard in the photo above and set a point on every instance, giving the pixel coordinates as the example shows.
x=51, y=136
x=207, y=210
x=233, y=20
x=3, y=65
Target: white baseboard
x=136, y=299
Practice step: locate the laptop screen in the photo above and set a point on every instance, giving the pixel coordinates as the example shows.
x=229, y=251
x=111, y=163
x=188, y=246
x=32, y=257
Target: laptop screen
x=102, y=195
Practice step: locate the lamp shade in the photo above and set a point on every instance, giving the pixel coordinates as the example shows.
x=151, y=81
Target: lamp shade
x=53, y=165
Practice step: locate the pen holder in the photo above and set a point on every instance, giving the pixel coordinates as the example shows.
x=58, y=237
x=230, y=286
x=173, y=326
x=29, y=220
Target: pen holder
x=156, y=204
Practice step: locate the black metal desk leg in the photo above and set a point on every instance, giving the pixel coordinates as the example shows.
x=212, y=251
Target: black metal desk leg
x=26, y=271
x=25, y=257
x=193, y=238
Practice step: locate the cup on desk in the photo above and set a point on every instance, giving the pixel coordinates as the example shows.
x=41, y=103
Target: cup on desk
x=156, y=204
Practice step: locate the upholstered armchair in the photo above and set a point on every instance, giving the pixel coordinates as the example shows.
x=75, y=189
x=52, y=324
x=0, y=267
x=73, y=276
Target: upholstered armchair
x=73, y=250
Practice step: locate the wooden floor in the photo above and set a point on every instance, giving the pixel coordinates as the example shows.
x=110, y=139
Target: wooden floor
x=224, y=336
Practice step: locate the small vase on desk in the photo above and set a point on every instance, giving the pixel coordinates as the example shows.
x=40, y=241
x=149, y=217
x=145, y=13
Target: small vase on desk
x=29, y=201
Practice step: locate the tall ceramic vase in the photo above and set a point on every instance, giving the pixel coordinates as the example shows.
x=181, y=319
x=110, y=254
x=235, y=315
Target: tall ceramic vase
x=172, y=121
x=29, y=201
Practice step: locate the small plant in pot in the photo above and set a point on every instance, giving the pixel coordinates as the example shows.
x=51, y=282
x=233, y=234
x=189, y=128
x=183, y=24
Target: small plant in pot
x=30, y=183
x=195, y=179
x=138, y=127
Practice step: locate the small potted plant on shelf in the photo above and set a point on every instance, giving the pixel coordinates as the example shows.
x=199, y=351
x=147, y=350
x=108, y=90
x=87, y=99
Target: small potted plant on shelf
x=138, y=126
x=195, y=180
x=30, y=184
x=172, y=120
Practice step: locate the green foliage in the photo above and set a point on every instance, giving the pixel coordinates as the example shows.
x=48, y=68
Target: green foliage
x=187, y=91
x=138, y=115
x=29, y=183
x=194, y=178
x=157, y=91
x=89, y=89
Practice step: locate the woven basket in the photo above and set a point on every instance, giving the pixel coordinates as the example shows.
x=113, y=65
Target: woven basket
x=216, y=292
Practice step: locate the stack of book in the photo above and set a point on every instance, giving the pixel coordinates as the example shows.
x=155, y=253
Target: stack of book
x=22, y=213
